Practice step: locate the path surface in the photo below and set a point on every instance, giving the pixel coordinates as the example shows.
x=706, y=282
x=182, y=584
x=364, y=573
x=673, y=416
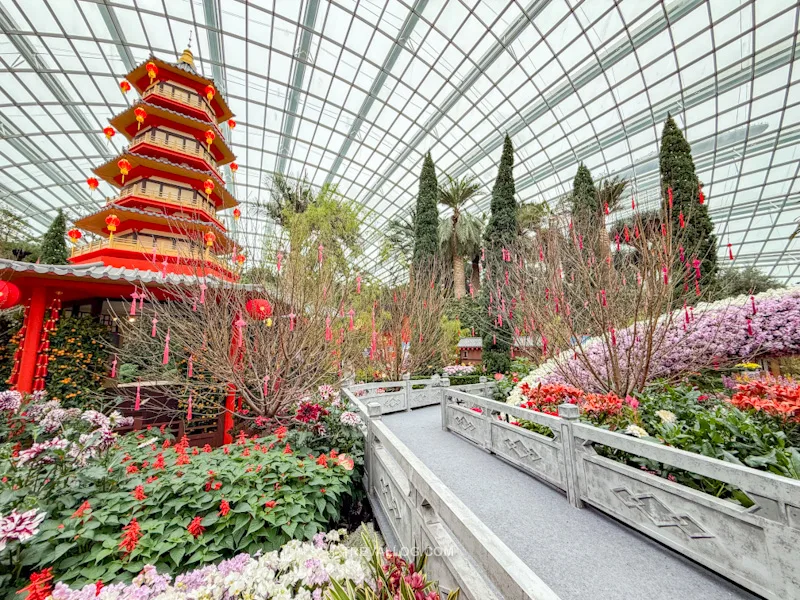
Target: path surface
x=580, y=554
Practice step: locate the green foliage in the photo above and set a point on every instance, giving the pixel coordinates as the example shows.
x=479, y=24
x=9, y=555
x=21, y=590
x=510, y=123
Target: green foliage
x=54, y=243
x=500, y=233
x=734, y=281
x=10, y=322
x=14, y=239
x=426, y=224
x=678, y=174
x=584, y=201
x=249, y=475
x=79, y=355
x=531, y=217
x=288, y=196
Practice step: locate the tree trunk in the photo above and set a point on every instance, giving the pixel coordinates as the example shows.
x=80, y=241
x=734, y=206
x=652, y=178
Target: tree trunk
x=475, y=278
x=459, y=285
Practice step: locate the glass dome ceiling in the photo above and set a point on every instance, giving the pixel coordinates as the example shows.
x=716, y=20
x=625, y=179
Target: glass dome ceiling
x=356, y=91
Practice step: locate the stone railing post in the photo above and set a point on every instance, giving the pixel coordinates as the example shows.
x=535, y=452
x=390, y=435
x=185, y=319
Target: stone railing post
x=444, y=401
x=374, y=412
x=569, y=414
x=407, y=379
x=485, y=390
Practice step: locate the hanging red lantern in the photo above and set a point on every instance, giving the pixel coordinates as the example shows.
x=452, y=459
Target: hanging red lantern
x=259, y=308
x=210, y=238
x=152, y=71
x=141, y=115
x=232, y=124
x=236, y=214
x=9, y=295
x=74, y=235
x=124, y=86
x=240, y=259
x=109, y=131
x=124, y=168
x=234, y=167
x=208, y=186
x=210, y=91
x=210, y=135
x=701, y=197
x=112, y=222
x=92, y=183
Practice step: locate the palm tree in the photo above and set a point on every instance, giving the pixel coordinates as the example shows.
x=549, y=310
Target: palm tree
x=531, y=217
x=454, y=195
x=469, y=231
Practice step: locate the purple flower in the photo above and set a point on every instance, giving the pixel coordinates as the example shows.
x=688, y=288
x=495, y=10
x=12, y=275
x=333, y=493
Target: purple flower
x=10, y=400
x=34, y=452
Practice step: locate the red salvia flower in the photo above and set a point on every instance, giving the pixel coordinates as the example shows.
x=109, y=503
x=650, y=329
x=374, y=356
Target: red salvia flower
x=138, y=493
x=183, y=459
x=39, y=587
x=287, y=449
x=131, y=535
x=132, y=468
x=270, y=504
x=159, y=463
x=195, y=528
x=224, y=508
x=322, y=460
x=207, y=448
x=81, y=510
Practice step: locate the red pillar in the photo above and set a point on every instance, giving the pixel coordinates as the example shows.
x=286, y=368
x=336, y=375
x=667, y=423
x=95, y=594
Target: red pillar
x=30, y=345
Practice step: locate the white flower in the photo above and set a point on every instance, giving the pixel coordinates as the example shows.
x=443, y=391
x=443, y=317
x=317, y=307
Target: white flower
x=20, y=526
x=147, y=442
x=10, y=400
x=666, y=416
x=350, y=419
x=636, y=431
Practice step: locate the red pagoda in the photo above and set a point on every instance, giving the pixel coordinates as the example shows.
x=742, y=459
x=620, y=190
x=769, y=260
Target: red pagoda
x=162, y=226
x=169, y=179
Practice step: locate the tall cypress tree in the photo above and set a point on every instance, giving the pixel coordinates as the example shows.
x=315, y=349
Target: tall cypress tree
x=678, y=174
x=54, y=244
x=585, y=204
x=500, y=233
x=426, y=224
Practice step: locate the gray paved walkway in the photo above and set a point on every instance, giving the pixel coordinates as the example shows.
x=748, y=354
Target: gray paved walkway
x=580, y=554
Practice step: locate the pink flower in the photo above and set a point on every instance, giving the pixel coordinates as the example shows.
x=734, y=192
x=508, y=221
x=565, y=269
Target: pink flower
x=20, y=526
x=498, y=376
x=632, y=402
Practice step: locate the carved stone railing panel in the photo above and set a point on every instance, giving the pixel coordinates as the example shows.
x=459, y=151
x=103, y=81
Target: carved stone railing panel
x=757, y=547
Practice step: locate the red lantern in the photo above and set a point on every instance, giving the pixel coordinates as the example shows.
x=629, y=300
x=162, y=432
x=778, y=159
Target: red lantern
x=259, y=308
x=234, y=167
x=141, y=114
x=152, y=71
x=74, y=235
x=92, y=183
x=124, y=168
x=208, y=186
x=109, y=131
x=210, y=238
x=236, y=214
x=241, y=259
x=210, y=135
x=9, y=295
x=112, y=222
x=232, y=124
x=124, y=86
x=210, y=91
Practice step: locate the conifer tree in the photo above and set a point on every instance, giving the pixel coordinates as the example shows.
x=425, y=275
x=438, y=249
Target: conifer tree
x=498, y=238
x=54, y=245
x=585, y=205
x=426, y=223
x=678, y=175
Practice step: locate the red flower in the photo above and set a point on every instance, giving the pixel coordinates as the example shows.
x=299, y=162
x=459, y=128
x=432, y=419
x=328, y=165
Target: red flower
x=287, y=449
x=477, y=409
x=246, y=452
x=166, y=444
x=97, y=587
x=270, y=504
x=322, y=490
x=345, y=462
x=281, y=432
x=195, y=528
x=132, y=468
x=132, y=534
x=39, y=587
x=224, y=508
x=207, y=448
x=81, y=510
x=195, y=451
x=138, y=493
x=241, y=439
x=159, y=463
x=151, y=479
x=322, y=460
x=183, y=459
x=217, y=485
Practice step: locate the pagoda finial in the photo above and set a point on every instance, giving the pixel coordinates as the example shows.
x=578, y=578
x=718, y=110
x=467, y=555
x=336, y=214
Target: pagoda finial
x=187, y=56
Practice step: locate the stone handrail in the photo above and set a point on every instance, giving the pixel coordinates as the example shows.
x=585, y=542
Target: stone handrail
x=756, y=547
x=395, y=396
x=418, y=513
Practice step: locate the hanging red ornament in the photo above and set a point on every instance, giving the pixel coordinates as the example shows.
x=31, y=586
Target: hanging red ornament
x=189, y=408
x=278, y=260
x=152, y=71
x=730, y=251
x=138, y=402
x=603, y=300
x=664, y=230
x=209, y=238
x=240, y=259
x=135, y=297
x=110, y=132
x=236, y=214
x=616, y=239
x=666, y=274
x=154, y=321
x=9, y=295
x=626, y=233
x=682, y=222
x=259, y=309
x=165, y=358
x=606, y=209
x=683, y=255
x=233, y=167
x=749, y=326
x=208, y=187
x=753, y=303
x=240, y=324
x=210, y=91
x=210, y=137
x=701, y=197
x=141, y=115
x=696, y=264
x=112, y=222
x=669, y=196
x=633, y=203
x=328, y=331
x=320, y=248
x=203, y=293
x=292, y=321
x=124, y=86
x=114, y=367
x=124, y=168
x=190, y=367
x=74, y=235
x=613, y=337
x=232, y=124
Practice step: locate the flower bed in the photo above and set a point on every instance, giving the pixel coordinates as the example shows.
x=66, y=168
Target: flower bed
x=90, y=504
x=458, y=370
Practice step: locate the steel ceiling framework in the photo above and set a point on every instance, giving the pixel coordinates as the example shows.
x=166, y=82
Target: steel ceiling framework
x=354, y=92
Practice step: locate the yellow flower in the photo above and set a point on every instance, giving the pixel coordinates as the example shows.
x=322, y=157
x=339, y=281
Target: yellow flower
x=748, y=366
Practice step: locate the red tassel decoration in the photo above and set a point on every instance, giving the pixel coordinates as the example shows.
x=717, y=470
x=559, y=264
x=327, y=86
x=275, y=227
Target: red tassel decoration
x=669, y=194
x=165, y=359
x=541, y=255
x=202, y=293
x=608, y=212
x=266, y=385
x=544, y=345
x=664, y=230
x=328, y=331
x=633, y=203
x=682, y=222
x=114, y=367
x=190, y=367
x=135, y=296
x=279, y=259
x=471, y=290
x=240, y=324
x=189, y=409
x=358, y=284
x=696, y=265
x=319, y=253
x=292, y=319
x=749, y=326
x=351, y=325
x=697, y=287
x=730, y=251
x=617, y=240
x=603, y=298
x=701, y=196
x=506, y=276
x=483, y=254
x=683, y=256
x=666, y=275
x=685, y=312
x=137, y=403
x=613, y=337
x=494, y=339
x=153, y=331
x=626, y=233
x=753, y=303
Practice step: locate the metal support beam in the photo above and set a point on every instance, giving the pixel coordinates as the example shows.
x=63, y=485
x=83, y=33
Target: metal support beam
x=114, y=28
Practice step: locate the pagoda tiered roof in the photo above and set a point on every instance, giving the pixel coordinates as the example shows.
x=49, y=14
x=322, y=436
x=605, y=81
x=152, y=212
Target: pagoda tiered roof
x=143, y=166
x=184, y=73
